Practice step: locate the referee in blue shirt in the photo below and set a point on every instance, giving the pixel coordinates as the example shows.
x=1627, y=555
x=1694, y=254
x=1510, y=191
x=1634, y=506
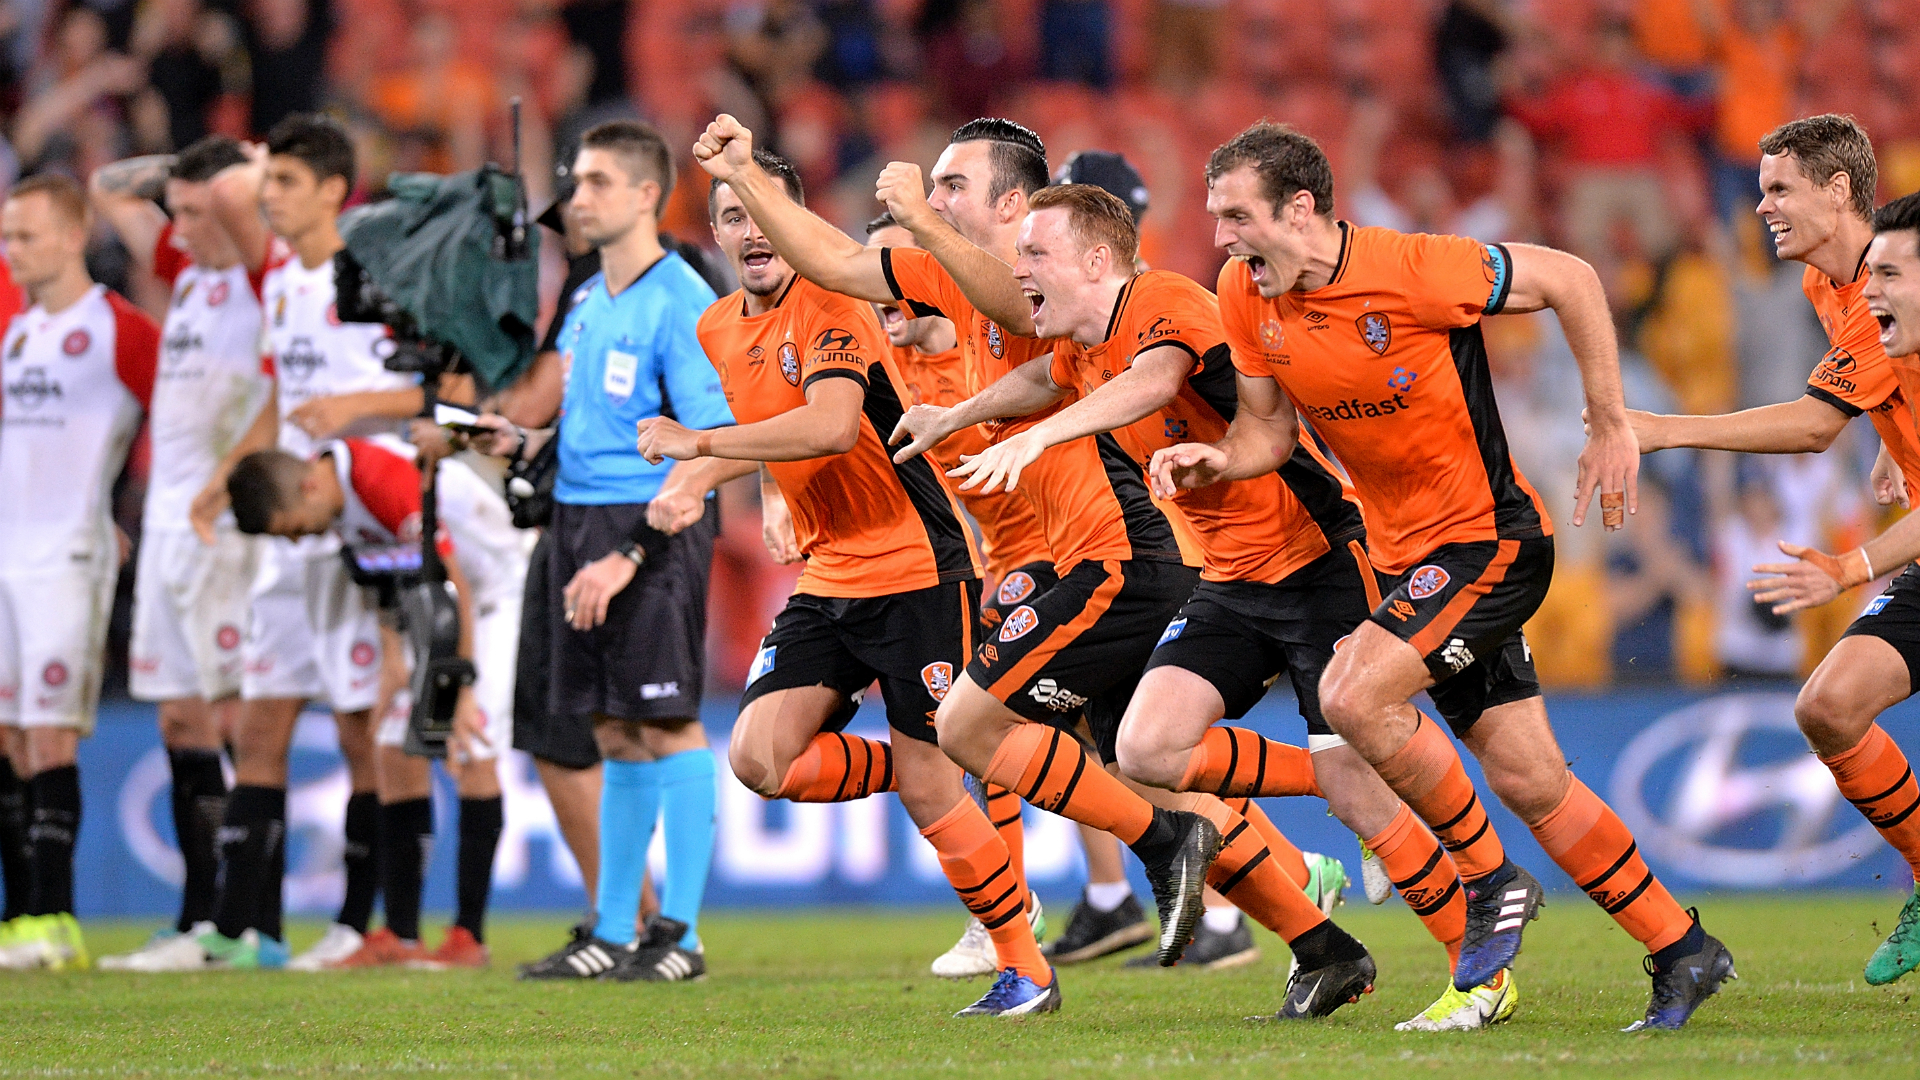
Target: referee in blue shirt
x=629, y=554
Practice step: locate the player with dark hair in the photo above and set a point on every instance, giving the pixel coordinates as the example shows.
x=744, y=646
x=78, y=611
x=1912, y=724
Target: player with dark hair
x=78, y=369
x=1399, y=390
x=190, y=598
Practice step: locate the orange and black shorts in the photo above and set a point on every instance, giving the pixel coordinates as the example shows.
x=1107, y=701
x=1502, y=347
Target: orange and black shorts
x=1083, y=643
x=1462, y=607
x=914, y=643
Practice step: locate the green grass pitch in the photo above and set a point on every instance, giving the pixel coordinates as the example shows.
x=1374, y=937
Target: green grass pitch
x=845, y=994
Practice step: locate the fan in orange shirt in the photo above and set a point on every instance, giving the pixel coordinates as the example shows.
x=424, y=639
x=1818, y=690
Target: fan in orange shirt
x=891, y=588
x=1375, y=336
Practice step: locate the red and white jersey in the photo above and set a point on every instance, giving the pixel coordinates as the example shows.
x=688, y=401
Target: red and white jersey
x=210, y=385
x=313, y=354
x=382, y=497
x=76, y=383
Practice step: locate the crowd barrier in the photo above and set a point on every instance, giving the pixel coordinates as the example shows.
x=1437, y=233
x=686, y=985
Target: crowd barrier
x=1719, y=789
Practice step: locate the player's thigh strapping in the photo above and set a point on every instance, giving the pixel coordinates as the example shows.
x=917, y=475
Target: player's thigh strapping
x=1462, y=608
x=912, y=642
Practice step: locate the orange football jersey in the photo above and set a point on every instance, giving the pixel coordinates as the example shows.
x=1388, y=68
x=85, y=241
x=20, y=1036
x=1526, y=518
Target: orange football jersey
x=1856, y=375
x=866, y=526
x=1386, y=363
x=1261, y=529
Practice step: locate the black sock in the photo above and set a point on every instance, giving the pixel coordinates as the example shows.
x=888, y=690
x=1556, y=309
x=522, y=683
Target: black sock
x=1325, y=944
x=362, y=858
x=273, y=887
x=56, y=825
x=1162, y=838
x=199, y=805
x=480, y=821
x=406, y=834
x=1693, y=942
x=247, y=841
x=16, y=853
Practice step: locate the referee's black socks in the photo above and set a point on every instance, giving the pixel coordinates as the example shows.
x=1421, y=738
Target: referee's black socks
x=56, y=825
x=406, y=838
x=199, y=806
x=251, y=840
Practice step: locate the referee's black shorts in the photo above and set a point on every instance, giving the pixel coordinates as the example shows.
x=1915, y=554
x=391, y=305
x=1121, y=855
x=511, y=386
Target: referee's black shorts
x=646, y=662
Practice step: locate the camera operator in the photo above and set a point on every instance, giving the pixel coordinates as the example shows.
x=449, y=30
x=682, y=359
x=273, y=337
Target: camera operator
x=628, y=553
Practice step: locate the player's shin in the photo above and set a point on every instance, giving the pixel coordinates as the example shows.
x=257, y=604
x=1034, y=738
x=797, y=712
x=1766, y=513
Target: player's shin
x=1049, y=769
x=361, y=856
x=1425, y=876
x=199, y=802
x=1590, y=842
x=629, y=807
x=55, y=826
x=256, y=819
x=687, y=795
x=480, y=824
x=1876, y=779
x=1003, y=809
x=406, y=839
x=1289, y=857
x=978, y=866
x=16, y=858
x=1428, y=775
x=1233, y=762
x=1247, y=875
x=836, y=767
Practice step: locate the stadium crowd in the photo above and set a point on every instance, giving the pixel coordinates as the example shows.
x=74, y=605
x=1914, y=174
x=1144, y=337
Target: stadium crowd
x=172, y=163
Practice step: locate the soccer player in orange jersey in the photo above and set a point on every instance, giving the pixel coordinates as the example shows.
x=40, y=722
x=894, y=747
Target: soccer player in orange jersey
x=1087, y=638
x=891, y=588
x=1285, y=573
x=1375, y=336
x=1817, y=178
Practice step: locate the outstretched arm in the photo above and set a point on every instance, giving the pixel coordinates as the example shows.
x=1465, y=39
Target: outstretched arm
x=987, y=282
x=829, y=423
x=1805, y=425
x=1815, y=578
x=1263, y=435
x=125, y=193
x=1021, y=392
x=816, y=250
x=1545, y=278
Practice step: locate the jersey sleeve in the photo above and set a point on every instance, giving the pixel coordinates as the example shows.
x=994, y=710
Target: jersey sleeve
x=918, y=279
x=1168, y=310
x=168, y=259
x=1452, y=281
x=1855, y=375
x=388, y=485
x=844, y=341
x=1240, y=316
x=136, y=348
x=688, y=380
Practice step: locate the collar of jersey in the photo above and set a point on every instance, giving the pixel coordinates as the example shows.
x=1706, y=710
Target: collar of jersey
x=791, y=282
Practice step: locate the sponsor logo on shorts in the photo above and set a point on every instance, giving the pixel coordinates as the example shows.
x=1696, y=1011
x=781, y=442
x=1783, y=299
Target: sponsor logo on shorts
x=762, y=663
x=1174, y=629
x=1878, y=605
x=1054, y=696
x=939, y=679
x=1017, y=587
x=145, y=665
x=1401, y=610
x=1456, y=655
x=1020, y=622
x=654, y=691
x=989, y=655
x=1426, y=581
x=76, y=343
x=790, y=363
x=55, y=674
x=362, y=654
x=227, y=637
x=1375, y=331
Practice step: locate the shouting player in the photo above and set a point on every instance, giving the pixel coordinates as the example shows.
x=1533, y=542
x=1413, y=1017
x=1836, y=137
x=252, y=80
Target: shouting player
x=1817, y=179
x=1375, y=336
x=891, y=588
x=190, y=598
x=78, y=369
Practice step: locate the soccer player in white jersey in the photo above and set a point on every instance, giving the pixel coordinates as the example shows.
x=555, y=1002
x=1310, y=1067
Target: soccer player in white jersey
x=78, y=370
x=190, y=598
x=312, y=634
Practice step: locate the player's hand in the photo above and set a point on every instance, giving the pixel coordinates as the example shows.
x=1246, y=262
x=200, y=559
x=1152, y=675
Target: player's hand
x=1188, y=465
x=1812, y=579
x=434, y=442
x=207, y=507
x=725, y=149
x=1889, y=483
x=676, y=507
x=922, y=428
x=903, y=188
x=323, y=417
x=776, y=528
x=1611, y=462
x=502, y=437
x=661, y=438
x=998, y=467
x=1645, y=425
x=584, y=601
x=469, y=730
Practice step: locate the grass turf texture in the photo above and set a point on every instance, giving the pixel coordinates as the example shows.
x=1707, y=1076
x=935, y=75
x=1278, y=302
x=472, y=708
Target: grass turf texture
x=845, y=994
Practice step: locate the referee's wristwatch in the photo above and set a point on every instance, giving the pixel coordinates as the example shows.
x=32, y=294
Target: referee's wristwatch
x=632, y=550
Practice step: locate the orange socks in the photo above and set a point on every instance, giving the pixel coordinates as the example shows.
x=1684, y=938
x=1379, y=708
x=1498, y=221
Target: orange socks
x=1291, y=861
x=1003, y=810
x=1593, y=846
x=1875, y=778
x=1426, y=878
x=1247, y=875
x=1427, y=774
x=975, y=860
x=1049, y=769
x=836, y=768
x=1233, y=761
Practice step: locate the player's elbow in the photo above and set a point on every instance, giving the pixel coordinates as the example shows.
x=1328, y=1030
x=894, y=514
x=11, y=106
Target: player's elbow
x=1817, y=438
x=841, y=437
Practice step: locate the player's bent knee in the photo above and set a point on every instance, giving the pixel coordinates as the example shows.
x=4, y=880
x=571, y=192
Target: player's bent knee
x=1832, y=718
x=1144, y=759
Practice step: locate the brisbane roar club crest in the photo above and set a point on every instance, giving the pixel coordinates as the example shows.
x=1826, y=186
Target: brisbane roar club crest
x=790, y=363
x=1020, y=622
x=1375, y=331
x=1426, y=581
x=1017, y=587
x=996, y=342
x=939, y=679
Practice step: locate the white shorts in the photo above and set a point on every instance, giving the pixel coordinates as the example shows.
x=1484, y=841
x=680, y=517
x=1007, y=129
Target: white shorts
x=312, y=633
x=53, y=636
x=496, y=642
x=189, y=605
